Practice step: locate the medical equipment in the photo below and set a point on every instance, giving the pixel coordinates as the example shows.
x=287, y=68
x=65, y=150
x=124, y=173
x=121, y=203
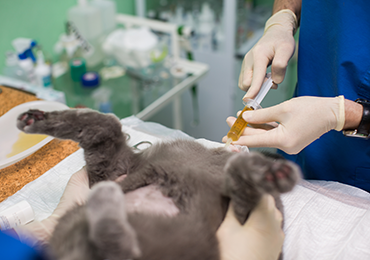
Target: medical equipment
x=102, y=98
x=24, y=46
x=26, y=58
x=240, y=124
x=87, y=19
x=85, y=23
x=77, y=68
x=16, y=215
x=90, y=80
x=42, y=71
x=12, y=68
x=142, y=145
x=108, y=11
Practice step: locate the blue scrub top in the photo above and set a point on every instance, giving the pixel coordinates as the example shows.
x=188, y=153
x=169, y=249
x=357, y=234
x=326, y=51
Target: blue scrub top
x=334, y=59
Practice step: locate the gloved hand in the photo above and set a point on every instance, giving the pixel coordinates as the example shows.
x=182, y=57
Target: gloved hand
x=260, y=238
x=38, y=233
x=275, y=47
x=301, y=121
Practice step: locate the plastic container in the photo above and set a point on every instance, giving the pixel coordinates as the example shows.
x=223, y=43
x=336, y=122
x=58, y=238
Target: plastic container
x=27, y=65
x=42, y=71
x=87, y=19
x=18, y=214
x=24, y=46
x=102, y=98
x=107, y=10
x=12, y=68
x=206, y=27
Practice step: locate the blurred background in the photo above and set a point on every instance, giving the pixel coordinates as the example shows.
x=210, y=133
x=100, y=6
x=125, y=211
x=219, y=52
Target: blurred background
x=77, y=50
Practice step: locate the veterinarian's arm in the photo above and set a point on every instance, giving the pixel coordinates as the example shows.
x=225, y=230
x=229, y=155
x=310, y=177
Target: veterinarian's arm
x=275, y=47
x=39, y=232
x=260, y=238
x=301, y=121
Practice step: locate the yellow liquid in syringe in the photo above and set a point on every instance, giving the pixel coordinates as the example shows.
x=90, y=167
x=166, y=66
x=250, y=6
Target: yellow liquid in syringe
x=237, y=128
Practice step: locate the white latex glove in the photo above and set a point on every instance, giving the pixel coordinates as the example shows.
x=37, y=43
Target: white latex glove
x=275, y=47
x=260, y=238
x=301, y=121
x=38, y=233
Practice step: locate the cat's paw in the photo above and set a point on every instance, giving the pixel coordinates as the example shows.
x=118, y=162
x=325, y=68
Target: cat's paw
x=250, y=175
x=262, y=173
x=281, y=176
x=27, y=121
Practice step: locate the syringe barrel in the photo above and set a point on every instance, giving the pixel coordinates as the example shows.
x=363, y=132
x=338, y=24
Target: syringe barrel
x=240, y=124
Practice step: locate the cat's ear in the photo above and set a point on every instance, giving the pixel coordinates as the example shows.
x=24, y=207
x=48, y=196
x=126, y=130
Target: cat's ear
x=109, y=229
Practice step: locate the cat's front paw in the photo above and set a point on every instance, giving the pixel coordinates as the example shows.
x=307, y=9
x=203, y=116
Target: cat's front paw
x=26, y=121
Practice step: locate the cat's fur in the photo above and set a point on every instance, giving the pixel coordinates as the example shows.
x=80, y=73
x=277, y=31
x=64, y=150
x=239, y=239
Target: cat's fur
x=200, y=182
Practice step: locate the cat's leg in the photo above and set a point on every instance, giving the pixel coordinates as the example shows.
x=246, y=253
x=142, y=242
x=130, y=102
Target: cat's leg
x=80, y=125
x=109, y=228
x=107, y=155
x=250, y=175
x=139, y=177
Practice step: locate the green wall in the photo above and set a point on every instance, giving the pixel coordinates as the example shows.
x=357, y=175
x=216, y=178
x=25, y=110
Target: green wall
x=42, y=20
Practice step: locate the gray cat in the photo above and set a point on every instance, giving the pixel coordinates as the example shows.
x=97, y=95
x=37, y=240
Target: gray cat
x=195, y=184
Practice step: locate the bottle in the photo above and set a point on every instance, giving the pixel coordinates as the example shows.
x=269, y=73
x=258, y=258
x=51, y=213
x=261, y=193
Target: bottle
x=27, y=65
x=16, y=215
x=68, y=46
x=24, y=47
x=42, y=71
x=206, y=27
x=86, y=19
x=107, y=10
x=102, y=100
x=12, y=68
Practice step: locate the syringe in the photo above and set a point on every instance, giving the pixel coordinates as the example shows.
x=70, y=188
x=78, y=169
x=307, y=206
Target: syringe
x=240, y=124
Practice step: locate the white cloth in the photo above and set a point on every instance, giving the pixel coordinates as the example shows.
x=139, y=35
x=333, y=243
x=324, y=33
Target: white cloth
x=326, y=220
x=323, y=220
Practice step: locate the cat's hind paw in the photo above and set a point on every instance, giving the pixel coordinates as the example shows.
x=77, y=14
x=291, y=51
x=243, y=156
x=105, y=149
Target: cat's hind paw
x=27, y=120
x=255, y=171
x=281, y=176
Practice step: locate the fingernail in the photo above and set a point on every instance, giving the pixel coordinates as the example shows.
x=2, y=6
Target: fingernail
x=247, y=115
x=245, y=98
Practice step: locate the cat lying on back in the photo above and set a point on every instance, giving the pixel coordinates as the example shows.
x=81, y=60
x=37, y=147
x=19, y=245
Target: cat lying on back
x=194, y=183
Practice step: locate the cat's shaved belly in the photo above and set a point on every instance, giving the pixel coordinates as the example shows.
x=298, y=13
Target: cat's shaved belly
x=149, y=199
